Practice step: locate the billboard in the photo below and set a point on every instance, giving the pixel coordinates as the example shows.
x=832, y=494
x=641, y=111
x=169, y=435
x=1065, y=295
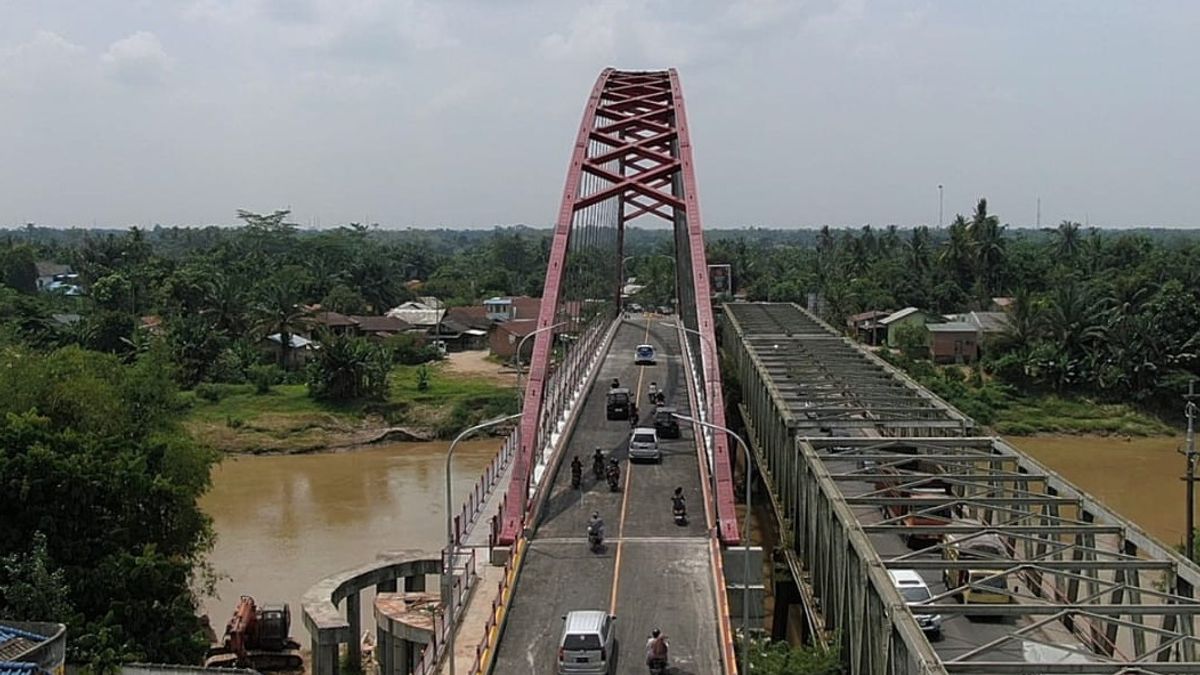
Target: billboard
x=720, y=279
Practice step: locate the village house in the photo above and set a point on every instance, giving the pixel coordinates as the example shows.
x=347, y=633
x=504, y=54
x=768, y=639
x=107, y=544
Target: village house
x=866, y=327
x=953, y=342
x=903, y=317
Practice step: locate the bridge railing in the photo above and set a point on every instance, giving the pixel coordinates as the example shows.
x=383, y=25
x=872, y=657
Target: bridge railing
x=489, y=480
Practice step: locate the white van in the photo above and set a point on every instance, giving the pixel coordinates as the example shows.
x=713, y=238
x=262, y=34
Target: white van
x=914, y=590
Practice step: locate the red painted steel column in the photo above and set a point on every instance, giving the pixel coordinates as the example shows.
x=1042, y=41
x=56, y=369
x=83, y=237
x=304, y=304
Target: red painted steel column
x=722, y=469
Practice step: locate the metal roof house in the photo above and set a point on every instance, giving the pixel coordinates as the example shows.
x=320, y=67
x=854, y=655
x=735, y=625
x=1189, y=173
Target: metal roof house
x=891, y=322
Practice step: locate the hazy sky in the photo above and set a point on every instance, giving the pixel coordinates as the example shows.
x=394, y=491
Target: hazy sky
x=426, y=113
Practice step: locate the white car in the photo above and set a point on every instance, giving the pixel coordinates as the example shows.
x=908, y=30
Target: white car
x=644, y=356
x=643, y=444
x=914, y=590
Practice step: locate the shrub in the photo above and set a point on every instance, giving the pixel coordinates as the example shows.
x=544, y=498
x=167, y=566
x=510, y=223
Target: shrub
x=264, y=376
x=209, y=392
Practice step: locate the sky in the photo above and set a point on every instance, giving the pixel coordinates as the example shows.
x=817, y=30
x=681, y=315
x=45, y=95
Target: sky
x=420, y=113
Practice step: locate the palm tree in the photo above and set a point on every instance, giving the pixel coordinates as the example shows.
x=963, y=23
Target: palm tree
x=1074, y=319
x=1067, y=240
x=917, y=250
x=956, y=254
x=279, y=309
x=987, y=237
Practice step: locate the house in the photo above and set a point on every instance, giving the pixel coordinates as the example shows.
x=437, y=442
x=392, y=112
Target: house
x=419, y=314
x=301, y=349
x=1002, y=304
x=506, y=337
x=32, y=647
x=379, y=327
x=338, y=324
x=50, y=272
x=953, y=342
x=152, y=324
x=473, y=317
x=903, y=317
x=512, y=308
x=459, y=336
x=866, y=328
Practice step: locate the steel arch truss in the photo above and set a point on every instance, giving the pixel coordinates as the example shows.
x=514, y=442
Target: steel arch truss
x=632, y=159
x=1087, y=591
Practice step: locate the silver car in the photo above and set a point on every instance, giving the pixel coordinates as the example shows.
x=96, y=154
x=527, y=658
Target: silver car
x=587, y=645
x=643, y=444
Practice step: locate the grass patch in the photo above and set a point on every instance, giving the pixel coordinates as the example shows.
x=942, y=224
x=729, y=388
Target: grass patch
x=1025, y=416
x=1011, y=412
x=234, y=418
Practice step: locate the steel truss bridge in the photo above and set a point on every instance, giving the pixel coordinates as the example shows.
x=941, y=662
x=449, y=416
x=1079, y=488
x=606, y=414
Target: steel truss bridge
x=844, y=441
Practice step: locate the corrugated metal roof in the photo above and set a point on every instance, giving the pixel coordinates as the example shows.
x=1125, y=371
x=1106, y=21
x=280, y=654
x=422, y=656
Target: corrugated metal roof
x=15, y=642
x=951, y=327
x=18, y=668
x=897, y=315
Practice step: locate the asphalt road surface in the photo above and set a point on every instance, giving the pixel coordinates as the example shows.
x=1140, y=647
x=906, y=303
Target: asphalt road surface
x=652, y=572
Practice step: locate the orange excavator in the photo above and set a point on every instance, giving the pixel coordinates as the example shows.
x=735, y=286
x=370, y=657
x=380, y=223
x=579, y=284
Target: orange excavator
x=257, y=637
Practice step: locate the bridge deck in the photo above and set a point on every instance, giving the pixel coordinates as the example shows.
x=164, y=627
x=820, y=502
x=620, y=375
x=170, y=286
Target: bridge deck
x=652, y=573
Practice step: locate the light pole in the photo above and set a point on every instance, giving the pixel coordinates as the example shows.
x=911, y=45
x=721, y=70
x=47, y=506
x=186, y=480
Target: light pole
x=448, y=564
x=939, y=206
x=745, y=535
x=520, y=347
x=1190, y=453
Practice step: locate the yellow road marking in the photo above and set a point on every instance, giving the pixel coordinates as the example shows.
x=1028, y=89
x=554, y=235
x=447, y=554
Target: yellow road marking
x=612, y=604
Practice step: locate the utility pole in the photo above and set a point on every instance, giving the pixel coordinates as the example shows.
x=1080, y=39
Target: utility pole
x=1039, y=213
x=939, y=206
x=1190, y=454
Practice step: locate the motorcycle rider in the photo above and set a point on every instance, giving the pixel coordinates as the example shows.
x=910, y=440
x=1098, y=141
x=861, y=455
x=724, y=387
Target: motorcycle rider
x=678, y=501
x=596, y=528
x=653, y=392
x=598, y=463
x=656, y=650
x=576, y=472
x=616, y=383
x=614, y=473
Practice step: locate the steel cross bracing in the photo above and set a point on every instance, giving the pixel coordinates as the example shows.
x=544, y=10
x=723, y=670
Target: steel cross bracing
x=632, y=158
x=853, y=473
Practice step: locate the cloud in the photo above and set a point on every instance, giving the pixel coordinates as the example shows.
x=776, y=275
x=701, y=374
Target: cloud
x=46, y=57
x=138, y=60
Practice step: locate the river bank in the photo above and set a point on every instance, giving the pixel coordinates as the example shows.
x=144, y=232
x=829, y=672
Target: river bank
x=458, y=392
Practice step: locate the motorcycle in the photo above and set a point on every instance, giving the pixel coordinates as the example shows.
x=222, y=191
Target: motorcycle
x=595, y=540
x=657, y=666
x=576, y=476
x=598, y=466
x=680, y=512
x=614, y=477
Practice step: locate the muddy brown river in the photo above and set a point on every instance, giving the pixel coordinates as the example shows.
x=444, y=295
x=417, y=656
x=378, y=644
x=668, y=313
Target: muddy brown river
x=285, y=522
x=1137, y=477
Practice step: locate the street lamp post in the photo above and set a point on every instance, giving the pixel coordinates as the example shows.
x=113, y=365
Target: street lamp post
x=521, y=347
x=745, y=536
x=448, y=563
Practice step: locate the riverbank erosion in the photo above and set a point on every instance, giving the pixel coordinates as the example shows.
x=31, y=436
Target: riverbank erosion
x=423, y=404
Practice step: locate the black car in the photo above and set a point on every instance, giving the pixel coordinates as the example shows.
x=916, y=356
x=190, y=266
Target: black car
x=617, y=405
x=665, y=423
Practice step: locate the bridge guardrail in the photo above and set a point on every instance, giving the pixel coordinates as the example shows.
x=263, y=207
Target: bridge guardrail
x=491, y=633
x=472, y=508
x=432, y=653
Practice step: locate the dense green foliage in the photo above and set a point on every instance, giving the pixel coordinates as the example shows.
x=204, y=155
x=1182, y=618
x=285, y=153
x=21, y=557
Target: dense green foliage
x=99, y=490
x=1111, y=315
x=781, y=658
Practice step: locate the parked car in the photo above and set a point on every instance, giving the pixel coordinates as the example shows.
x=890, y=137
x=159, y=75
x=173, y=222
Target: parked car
x=644, y=356
x=665, y=423
x=643, y=444
x=587, y=645
x=915, y=591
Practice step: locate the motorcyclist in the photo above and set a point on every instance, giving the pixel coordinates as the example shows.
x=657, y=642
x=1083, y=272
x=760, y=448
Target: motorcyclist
x=598, y=463
x=576, y=471
x=616, y=383
x=614, y=472
x=633, y=416
x=653, y=392
x=656, y=649
x=678, y=501
x=596, y=526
